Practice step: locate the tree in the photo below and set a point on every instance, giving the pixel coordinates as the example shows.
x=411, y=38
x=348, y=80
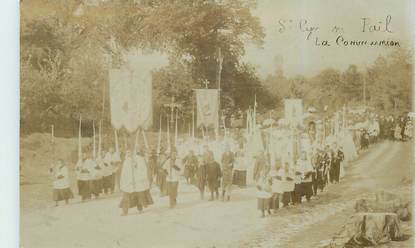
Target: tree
x=326, y=89
x=352, y=84
x=389, y=82
x=79, y=42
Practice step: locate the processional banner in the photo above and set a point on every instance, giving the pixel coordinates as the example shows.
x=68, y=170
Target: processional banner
x=207, y=107
x=294, y=111
x=131, y=99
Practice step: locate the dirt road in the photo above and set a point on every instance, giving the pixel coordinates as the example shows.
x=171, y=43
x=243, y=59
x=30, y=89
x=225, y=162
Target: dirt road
x=388, y=166
x=196, y=223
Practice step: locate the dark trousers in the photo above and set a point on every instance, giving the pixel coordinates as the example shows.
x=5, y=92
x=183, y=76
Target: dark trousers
x=335, y=172
x=96, y=187
x=275, y=201
x=286, y=198
x=297, y=194
x=108, y=184
x=214, y=191
x=307, y=190
x=129, y=200
x=314, y=183
x=201, y=186
x=84, y=189
x=172, y=188
x=117, y=178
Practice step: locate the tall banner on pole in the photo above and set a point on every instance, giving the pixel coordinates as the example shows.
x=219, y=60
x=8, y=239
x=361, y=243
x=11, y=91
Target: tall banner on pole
x=207, y=107
x=131, y=99
x=294, y=111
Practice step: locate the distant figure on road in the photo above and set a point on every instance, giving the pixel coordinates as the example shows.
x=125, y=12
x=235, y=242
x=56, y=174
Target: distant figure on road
x=172, y=178
x=190, y=166
x=201, y=176
x=213, y=176
x=239, y=173
x=227, y=173
x=364, y=140
x=264, y=193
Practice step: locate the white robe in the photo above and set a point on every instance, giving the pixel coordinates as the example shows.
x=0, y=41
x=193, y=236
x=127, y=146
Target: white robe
x=84, y=166
x=142, y=181
x=277, y=181
x=265, y=190
x=288, y=186
x=349, y=147
x=116, y=158
x=134, y=175
x=108, y=169
x=173, y=175
x=60, y=177
x=305, y=167
x=96, y=168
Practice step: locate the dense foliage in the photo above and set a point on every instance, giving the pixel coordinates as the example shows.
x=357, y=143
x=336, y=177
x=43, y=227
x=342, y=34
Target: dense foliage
x=387, y=84
x=67, y=48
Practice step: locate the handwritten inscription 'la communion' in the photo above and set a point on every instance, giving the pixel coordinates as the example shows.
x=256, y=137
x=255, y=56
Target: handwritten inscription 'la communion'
x=367, y=25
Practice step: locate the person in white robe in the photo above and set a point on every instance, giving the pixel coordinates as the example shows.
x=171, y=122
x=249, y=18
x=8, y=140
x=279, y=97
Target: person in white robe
x=264, y=193
x=61, y=187
x=108, y=174
x=297, y=194
x=84, y=176
x=172, y=179
x=277, y=189
x=96, y=167
x=288, y=183
x=116, y=163
x=349, y=147
x=134, y=183
x=143, y=180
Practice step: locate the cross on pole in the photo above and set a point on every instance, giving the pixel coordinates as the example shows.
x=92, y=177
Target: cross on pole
x=172, y=105
x=206, y=83
x=219, y=59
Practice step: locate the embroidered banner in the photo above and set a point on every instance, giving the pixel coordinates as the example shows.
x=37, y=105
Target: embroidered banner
x=207, y=107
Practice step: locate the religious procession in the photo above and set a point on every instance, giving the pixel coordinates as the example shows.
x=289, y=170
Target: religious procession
x=289, y=161
x=210, y=124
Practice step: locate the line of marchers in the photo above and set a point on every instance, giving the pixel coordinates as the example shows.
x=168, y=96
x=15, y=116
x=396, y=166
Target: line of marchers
x=341, y=41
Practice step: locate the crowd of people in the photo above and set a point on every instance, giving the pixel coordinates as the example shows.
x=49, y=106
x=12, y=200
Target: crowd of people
x=282, y=176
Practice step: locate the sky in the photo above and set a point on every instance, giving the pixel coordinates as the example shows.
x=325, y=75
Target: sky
x=298, y=55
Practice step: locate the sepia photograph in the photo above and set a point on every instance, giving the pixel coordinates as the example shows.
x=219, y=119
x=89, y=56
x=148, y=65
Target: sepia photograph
x=216, y=123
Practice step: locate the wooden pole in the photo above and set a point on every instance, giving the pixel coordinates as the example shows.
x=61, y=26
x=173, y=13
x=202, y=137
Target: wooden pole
x=271, y=144
x=224, y=126
x=145, y=139
x=100, y=139
x=93, y=129
x=136, y=141
x=364, y=91
x=254, y=117
x=103, y=100
x=193, y=121
x=117, y=148
x=203, y=131
x=159, y=138
x=52, y=133
x=175, y=129
x=80, y=139
x=168, y=134
x=247, y=122
x=190, y=130
x=53, y=141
